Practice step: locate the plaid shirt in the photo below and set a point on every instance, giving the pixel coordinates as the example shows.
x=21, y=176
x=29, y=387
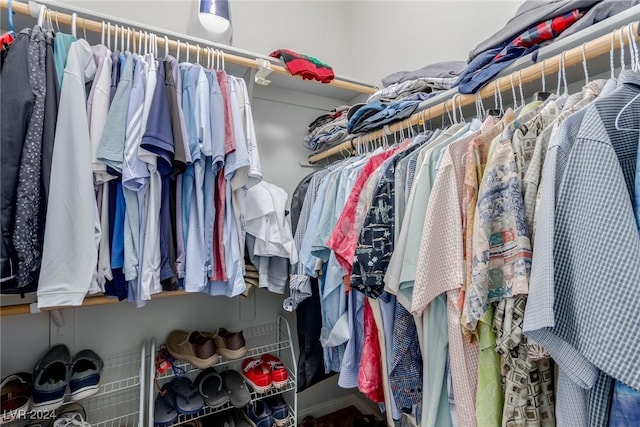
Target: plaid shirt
x=586, y=275
x=542, y=32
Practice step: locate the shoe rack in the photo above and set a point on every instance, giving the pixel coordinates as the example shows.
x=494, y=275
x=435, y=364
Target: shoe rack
x=274, y=338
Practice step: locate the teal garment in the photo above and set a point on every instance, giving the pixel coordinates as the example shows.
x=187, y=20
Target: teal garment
x=61, y=44
x=424, y=181
x=436, y=410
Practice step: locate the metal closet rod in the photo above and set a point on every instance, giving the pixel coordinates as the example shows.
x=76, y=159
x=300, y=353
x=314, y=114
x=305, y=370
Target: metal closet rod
x=592, y=49
x=192, y=48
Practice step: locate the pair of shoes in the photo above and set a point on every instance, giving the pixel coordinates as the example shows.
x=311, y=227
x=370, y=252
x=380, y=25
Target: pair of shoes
x=231, y=345
x=70, y=414
x=56, y=370
x=15, y=395
x=180, y=396
x=264, y=413
x=265, y=372
x=203, y=349
x=197, y=348
x=218, y=389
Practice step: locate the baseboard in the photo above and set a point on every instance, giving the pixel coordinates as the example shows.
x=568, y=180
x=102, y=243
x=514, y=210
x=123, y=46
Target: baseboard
x=363, y=404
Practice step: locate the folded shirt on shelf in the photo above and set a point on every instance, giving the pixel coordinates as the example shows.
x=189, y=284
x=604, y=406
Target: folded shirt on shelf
x=446, y=69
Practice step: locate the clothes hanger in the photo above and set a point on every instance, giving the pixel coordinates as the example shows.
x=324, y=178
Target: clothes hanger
x=222, y=55
x=84, y=28
x=542, y=95
x=522, y=100
x=115, y=38
x=10, y=13
x=633, y=48
x=188, y=49
x=41, y=14
x=513, y=93
x=122, y=38
x=611, y=54
x=462, y=118
x=198, y=54
x=128, y=39
x=178, y=50
x=634, y=45
x=166, y=46
x=57, y=23
x=74, y=18
x=584, y=65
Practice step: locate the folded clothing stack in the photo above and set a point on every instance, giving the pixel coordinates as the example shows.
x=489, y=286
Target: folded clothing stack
x=308, y=67
x=327, y=129
x=402, y=94
x=534, y=25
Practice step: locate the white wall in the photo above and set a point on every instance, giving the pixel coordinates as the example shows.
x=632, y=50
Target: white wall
x=315, y=27
x=389, y=36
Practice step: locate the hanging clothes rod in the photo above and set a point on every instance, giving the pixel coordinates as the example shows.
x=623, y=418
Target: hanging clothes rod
x=592, y=49
x=98, y=27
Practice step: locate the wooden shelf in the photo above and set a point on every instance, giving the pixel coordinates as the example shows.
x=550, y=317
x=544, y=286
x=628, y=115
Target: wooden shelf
x=12, y=310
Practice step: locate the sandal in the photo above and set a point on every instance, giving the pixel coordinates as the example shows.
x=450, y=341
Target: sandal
x=209, y=384
x=164, y=412
x=188, y=399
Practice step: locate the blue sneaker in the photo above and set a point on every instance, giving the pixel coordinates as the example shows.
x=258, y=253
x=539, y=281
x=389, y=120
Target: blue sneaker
x=279, y=410
x=258, y=414
x=50, y=379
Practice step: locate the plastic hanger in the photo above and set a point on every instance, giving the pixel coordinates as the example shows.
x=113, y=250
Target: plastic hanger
x=188, y=49
x=74, y=19
x=584, y=65
x=197, y=54
x=633, y=48
x=178, y=50
x=522, y=100
x=497, y=110
x=635, y=64
x=222, y=55
x=115, y=39
x=41, y=14
x=611, y=53
x=122, y=38
x=102, y=34
x=166, y=46
x=10, y=14
x=84, y=29
x=542, y=95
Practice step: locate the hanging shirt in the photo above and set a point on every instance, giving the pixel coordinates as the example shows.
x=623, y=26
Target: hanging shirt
x=199, y=129
x=414, y=218
x=72, y=214
x=376, y=240
x=600, y=172
x=343, y=240
x=441, y=271
x=501, y=246
x=61, y=45
x=475, y=162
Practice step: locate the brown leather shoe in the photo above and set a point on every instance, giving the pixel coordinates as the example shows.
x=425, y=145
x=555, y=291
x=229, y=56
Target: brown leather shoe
x=230, y=344
x=197, y=348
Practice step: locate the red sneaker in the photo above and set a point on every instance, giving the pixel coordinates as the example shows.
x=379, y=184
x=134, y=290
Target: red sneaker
x=256, y=374
x=279, y=374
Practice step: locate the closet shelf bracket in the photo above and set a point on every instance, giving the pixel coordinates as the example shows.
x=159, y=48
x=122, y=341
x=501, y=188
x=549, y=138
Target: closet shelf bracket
x=264, y=69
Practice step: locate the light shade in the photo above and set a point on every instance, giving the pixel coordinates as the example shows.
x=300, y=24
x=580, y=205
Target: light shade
x=215, y=18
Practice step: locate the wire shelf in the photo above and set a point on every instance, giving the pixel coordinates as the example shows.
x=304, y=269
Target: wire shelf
x=206, y=411
x=259, y=339
x=114, y=409
x=120, y=372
